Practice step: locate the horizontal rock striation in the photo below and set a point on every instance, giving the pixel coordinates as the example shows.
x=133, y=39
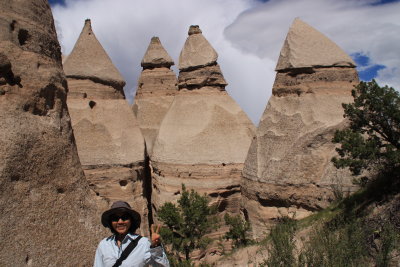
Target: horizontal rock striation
x=288, y=170
x=48, y=214
x=156, y=89
x=110, y=145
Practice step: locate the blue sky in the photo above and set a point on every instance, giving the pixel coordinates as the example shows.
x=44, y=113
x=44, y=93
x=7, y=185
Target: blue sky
x=247, y=34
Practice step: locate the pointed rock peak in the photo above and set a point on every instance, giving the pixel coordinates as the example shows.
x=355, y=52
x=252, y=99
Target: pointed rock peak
x=197, y=51
x=156, y=55
x=194, y=29
x=89, y=60
x=306, y=47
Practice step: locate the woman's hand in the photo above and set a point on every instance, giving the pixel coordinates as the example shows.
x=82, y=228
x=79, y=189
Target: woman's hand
x=155, y=236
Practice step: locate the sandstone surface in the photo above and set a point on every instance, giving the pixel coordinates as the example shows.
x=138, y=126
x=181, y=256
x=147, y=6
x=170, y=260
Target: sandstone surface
x=203, y=139
x=110, y=144
x=197, y=51
x=306, y=47
x=48, y=214
x=157, y=86
x=198, y=63
x=156, y=55
x=288, y=171
x=88, y=60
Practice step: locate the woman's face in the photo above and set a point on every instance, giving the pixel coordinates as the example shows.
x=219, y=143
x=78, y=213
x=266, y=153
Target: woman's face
x=121, y=222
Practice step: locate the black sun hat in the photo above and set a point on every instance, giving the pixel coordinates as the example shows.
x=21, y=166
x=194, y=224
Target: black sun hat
x=120, y=206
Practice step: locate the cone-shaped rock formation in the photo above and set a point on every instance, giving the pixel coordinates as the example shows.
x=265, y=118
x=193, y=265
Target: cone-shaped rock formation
x=204, y=137
x=305, y=47
x=48, y=214
x=288, y=169
x=89, y=61
x=198, y=63
x=157, y=86
x=109, y=141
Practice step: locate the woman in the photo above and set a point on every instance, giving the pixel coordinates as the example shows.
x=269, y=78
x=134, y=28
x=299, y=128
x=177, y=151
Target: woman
x=123, y=221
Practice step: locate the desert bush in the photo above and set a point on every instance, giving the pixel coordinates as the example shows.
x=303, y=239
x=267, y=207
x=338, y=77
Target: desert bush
x=238, y=230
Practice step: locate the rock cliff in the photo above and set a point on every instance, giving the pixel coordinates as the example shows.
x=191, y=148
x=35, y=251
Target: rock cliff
x=204, y=137
x=48, y=215
x=157, y=86
x=288, y=171
x=110, y=144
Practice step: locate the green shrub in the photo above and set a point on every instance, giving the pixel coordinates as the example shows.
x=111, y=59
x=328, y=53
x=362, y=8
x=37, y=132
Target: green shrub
x=336, y=245
x=238, y=230
x=281, y=245
x=187, y=223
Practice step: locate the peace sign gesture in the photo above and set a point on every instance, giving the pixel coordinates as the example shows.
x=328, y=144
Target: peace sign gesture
x=155, y=236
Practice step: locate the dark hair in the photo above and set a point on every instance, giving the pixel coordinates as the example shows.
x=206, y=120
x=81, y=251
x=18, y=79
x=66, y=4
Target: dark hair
x=131, y=230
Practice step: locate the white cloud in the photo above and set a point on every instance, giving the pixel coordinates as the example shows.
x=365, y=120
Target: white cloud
x=247, y=35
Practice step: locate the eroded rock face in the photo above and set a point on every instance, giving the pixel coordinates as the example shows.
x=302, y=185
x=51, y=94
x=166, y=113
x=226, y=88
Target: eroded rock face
x=288, y=171
x=203, y=139
x=156, y=89
x=48, y=213
x=110, y=144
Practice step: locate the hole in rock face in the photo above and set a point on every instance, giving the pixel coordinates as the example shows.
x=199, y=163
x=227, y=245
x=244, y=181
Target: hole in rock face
x=23, y=36
x=12, y=25
x=246, y=215
x=14, y=178
x=60, y=190
x=222, y=206
x=123, y=182
x=92, y=104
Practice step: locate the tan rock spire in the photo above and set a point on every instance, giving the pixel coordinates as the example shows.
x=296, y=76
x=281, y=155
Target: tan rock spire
x=157, y=86
x=203, y=139
x=197, y=51
x=288, y=171
x=305, y=47
x=89, y=60
x=156, y=55
x=109, y=141
x=198, y=63
x=48, y=214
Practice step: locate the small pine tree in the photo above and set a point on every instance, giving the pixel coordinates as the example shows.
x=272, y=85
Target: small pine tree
x=238, y=230
x=373, y=138
x=187, y=223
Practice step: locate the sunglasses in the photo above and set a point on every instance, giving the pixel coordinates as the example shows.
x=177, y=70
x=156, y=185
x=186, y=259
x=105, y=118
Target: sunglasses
x=124, y=217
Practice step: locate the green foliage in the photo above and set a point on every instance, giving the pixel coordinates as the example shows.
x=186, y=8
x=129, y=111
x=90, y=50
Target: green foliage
x=281, y=244
x=238, y=230
x=333, y=245
x=373, y=138
x=187, y=223
x=389, y=241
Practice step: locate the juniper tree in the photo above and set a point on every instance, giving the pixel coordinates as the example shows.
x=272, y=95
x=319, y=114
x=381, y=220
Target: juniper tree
x=187, y=223
x=373, y=137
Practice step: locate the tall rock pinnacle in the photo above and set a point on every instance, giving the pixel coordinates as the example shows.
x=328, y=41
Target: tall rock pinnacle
x=48, y=215
x=288, y=171
x=109, y=140
x=198, y=63
x=157, y=86
x=305, y=47
x=204, y=137
x=89, y=60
